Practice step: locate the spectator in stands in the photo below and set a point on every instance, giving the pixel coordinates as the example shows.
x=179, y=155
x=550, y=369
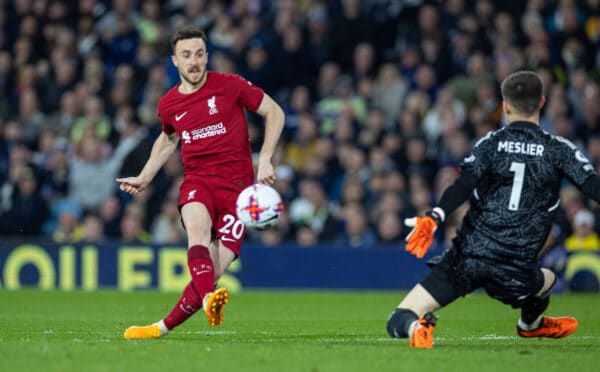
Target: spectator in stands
x=588, y=119
x=25, y=210
x=418, y=161
x=446, y=106
x=303, y=144
x=30, y=116
x=91, y=230
x=356, y=234
x=166, y=228
x=579, y=245
x=389, y=229
x=110, y=214
x=66, y=215
x=94, y=120
x=584, y=238
x=293, y=67
x=132, y=225
x=306, y=236
x=312, y=208
x=389, y=91
x=84, y=184
x=353, y=192
x=351, y=16
x=372, y=133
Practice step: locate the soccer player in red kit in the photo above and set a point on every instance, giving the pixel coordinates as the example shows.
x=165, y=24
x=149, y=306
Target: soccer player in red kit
x=205, y=113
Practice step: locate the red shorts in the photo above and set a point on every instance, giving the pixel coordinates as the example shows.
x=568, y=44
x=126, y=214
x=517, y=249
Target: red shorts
x=219, y=197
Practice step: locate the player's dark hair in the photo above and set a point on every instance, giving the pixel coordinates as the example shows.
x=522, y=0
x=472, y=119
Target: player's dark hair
x=523, y=91
x=187, y=33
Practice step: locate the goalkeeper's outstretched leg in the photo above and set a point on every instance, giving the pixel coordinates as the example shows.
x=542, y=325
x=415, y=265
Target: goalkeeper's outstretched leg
x=413, y=318
x=533, y=324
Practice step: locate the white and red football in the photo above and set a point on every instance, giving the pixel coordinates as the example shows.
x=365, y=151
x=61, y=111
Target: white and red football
x=259, y=207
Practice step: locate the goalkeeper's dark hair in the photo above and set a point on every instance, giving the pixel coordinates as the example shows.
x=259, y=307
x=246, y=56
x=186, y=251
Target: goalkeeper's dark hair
x=523, y=91
x=187, y=33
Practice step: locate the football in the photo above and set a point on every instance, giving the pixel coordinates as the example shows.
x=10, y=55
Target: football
x=259, y=207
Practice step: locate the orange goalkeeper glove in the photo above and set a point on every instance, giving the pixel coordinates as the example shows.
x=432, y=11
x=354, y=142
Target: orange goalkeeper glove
x=420, y=238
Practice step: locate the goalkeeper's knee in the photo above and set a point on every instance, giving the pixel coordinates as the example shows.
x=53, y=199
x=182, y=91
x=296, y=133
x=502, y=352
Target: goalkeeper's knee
x=399, y=322
x=535, y=306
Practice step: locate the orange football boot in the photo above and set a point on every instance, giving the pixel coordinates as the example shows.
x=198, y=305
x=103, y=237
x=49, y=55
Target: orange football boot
x=551, y=328
x=138, y=332
x=214, y=304
x=422, y=336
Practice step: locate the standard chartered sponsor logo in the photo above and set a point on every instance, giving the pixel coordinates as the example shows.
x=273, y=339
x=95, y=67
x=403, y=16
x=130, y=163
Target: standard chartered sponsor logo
x=208, y=131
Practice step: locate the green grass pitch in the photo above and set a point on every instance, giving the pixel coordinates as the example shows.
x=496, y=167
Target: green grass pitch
x=282, y=331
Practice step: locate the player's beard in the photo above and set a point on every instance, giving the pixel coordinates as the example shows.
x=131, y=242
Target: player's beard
x=196, y=81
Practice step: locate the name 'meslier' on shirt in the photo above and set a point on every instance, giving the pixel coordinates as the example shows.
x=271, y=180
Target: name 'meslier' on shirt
x=521, y=148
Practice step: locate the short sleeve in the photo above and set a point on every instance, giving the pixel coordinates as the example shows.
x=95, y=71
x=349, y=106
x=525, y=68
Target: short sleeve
x=250, y=96
x=167, y=128
x=478, y=161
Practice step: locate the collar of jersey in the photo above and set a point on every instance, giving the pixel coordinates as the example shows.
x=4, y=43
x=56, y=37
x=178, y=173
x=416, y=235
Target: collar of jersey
x=524, y=124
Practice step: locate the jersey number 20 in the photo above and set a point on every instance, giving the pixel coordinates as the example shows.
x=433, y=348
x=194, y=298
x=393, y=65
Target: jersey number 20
x=517, y=186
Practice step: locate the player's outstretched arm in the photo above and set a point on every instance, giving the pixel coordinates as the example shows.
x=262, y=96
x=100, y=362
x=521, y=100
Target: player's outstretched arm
x=163, y=147
x=420, y=237
x=274, y=121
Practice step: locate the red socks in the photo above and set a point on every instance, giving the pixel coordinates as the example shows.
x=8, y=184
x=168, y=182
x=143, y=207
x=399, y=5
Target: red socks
x=201, y=269
x=187, y=305
x=203, y=281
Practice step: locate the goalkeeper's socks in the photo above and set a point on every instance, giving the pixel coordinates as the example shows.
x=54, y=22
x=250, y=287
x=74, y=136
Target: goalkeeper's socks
x=528, y=327
x=188, y=304
x=201, y=269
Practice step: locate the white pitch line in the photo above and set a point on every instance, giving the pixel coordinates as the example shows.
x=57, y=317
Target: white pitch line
x=209, y=333
x=279, y=337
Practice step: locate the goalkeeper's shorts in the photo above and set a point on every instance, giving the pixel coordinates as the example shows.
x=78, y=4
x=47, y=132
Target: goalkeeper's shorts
x=453, y=275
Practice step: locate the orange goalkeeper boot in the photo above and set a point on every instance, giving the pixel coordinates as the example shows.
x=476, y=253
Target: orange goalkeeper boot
x=138, y=332
x=214, y=303
x=551, y=328
x=422, y=336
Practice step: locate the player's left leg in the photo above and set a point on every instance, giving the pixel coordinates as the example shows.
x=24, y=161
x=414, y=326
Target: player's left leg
x=413, y=318
x=214, y=302
x=533, y=324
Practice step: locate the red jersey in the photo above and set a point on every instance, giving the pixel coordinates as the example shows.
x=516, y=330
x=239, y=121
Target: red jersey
x=211, y=124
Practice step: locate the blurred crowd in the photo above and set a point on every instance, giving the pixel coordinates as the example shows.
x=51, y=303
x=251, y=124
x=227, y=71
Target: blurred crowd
x=383, y=100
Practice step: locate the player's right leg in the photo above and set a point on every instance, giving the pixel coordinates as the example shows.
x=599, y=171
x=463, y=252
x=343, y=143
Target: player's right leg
x=533, y=324
x=198, y=223
x=188, y=304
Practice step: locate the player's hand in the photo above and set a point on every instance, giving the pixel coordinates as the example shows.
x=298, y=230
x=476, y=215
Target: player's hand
x=265, y=173
x=132, y=185
x=420, y=237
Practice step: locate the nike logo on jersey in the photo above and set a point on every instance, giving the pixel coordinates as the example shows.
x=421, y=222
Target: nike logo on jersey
x=178, y=117
x=227, y=239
